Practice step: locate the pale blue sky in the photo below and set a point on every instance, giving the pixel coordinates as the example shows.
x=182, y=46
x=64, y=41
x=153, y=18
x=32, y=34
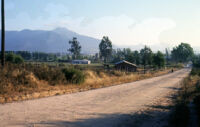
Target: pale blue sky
x=126, y=22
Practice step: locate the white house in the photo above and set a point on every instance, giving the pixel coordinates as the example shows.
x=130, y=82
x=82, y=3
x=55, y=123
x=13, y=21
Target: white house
x=81, y=61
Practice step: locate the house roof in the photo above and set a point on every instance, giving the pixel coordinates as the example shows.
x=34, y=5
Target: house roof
x=124, y=61
x=81, y=60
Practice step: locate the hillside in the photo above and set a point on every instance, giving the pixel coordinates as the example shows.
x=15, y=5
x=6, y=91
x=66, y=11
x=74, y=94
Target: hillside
x=48, y=41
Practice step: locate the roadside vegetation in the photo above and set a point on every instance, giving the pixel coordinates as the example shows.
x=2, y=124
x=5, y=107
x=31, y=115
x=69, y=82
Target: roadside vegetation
x=189, y=93
x=22, y=81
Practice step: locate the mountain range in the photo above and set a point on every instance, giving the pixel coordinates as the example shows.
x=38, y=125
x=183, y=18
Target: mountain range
x=56, y=40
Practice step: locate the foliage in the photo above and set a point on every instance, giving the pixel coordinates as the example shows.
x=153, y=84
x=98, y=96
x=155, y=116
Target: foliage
x=43, y=72
x=196, y=61
x=146, y=56
x=158, y=59
x=126, y=54
x=75, y=48
x=73, y=75
x=18, y=60
x=188, y=93
x=195, y=71
x=14, y=76
x=24, y=54
x=35, y=56
x=182, y=53
x=105, y=48
x=136, y=57
x=12, y=58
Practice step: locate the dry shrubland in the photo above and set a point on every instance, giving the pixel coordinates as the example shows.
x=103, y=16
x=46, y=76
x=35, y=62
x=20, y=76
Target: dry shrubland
x=27, y=81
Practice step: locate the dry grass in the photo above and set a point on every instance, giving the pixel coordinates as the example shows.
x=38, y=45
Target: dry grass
x=189, y=90
x=26, y=82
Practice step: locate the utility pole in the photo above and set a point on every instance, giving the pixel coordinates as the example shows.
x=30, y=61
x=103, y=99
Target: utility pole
x=2, y=34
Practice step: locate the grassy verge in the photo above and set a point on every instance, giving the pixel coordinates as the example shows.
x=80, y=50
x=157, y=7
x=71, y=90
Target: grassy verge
x=189, y=91
x=27, y=81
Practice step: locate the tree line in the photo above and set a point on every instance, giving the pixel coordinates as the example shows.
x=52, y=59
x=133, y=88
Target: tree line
x=180, y=54
x=107, y=54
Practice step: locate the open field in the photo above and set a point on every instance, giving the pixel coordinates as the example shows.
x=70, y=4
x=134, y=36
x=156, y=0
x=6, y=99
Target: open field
x=108, y=107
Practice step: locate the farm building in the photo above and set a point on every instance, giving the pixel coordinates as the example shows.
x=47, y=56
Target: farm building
x=81, y=62
x=125, y=66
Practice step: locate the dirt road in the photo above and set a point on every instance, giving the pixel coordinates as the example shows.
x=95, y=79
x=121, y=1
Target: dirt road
x=106, y=107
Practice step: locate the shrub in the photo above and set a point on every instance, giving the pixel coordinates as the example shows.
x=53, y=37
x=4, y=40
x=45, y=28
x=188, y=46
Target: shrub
x=18, y=60
x=43, y=72
x=12, y=58
x=74, y=76
x=195, y=71
x=117, y=73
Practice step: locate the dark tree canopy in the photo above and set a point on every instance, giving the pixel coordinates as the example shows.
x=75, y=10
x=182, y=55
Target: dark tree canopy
x=75, y=48
x=159, y=59
x=105, y=48
x=136, y=57
x=182, y=53
x=196, y=61
x=146, y=56
x=126, y=54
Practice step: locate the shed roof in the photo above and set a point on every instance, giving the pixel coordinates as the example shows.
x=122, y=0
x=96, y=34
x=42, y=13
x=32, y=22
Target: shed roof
x=124, y=61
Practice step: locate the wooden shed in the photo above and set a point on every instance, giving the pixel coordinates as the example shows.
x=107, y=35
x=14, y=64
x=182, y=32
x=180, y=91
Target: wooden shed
x=125, y=66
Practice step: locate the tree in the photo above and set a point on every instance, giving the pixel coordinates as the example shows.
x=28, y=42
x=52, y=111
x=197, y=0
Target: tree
x=105, y=48
x=128, y=54
x=13, y=58
x=2, y=34
x=159, y=59
x=146, y=56
x=167, y=55
x=136, y=56
x=196, y=61
x=75, y=48
x=25, y=54
x=182, y=53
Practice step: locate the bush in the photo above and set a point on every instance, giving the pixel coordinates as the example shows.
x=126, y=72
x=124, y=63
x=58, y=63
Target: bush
x=12, y=58
x=195, y=71
x=43, y=72
x=14, y=77
x=74, y=76
x=18, y=60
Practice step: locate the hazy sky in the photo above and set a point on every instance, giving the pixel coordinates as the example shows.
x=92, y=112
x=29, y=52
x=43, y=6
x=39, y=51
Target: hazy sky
x=126, y=22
